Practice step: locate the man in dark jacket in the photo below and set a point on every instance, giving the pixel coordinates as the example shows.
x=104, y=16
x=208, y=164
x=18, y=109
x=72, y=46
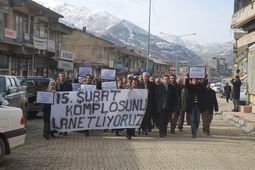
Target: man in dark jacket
x=177, y=102
x=227, y=91
x=146, y=84
x=196, y=103
x=236, y=82
x=63, y=85
x=212, y=105
x=165, y=99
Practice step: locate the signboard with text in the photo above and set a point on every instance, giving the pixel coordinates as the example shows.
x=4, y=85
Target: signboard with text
x=118, y=109
x=197, y=72
x=108, y=74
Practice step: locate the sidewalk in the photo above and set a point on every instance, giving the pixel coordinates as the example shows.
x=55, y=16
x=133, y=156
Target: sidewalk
x=246, y=121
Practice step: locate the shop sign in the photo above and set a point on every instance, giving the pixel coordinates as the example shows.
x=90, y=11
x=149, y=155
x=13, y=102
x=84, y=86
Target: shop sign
x=39, y=43
x=67, y=55
x=10, y=33
x=65, y=65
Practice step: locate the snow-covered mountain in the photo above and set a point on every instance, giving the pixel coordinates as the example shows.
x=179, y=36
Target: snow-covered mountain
x=125, y=33
x=129, y=34
x=94, y=20
x=208, y=51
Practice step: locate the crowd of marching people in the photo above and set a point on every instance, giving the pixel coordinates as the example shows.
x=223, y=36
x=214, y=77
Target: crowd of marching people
x=170, y=100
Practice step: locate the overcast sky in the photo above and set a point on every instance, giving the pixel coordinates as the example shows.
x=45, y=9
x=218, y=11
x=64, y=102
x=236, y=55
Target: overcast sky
x=210, y=19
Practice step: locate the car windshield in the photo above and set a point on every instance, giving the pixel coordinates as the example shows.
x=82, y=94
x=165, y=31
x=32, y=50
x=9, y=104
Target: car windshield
x=2, y=84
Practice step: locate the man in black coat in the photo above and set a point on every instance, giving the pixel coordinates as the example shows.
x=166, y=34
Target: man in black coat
x=150, y=110
x=174, y=114
x=165, y=100
x=236, y=82
x=196, y=102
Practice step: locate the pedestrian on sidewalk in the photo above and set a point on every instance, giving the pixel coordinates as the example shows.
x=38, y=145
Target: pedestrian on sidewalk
x=46, y=114
x=196, y=103
x=227, y=91
x=236, y=82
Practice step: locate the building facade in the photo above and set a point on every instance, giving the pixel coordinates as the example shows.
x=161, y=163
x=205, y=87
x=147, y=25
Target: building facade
x=243, y=23
x=30, y=38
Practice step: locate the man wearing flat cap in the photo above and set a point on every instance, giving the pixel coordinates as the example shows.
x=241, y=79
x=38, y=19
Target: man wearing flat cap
x=146, y=84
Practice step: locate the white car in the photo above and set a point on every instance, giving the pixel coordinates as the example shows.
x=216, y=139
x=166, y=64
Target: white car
x=12, y=129
x=217, y=86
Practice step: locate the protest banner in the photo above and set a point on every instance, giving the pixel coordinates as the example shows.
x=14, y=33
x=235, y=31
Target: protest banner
x=111, y=85
x=76, y=86
x=83, y=71
x=197, y=72
x=107, y=74
x=44, y=97
x=116, y=109
x=88, y=87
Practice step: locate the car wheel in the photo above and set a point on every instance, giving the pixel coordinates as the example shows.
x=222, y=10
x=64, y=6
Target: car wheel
x=2, y=150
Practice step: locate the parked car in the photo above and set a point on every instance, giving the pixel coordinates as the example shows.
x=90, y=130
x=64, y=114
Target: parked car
x=12, y=129
x=34, y=84
x=12, y=91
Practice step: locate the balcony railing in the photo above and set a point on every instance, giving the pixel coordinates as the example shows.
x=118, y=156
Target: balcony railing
x=243, y=16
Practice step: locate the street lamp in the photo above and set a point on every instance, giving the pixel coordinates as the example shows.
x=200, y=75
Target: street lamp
x=148, y=40
x=177, y=43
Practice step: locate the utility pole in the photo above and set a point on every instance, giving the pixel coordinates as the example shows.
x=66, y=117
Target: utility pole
x=149, y=38
x=177, y=43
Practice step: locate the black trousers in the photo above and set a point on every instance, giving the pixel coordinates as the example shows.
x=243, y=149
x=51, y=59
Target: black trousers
x=131, y=132
x=46, y=119
x=163, y=121
x=146, y=123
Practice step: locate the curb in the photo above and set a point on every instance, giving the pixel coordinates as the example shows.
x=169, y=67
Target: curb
x=237, y=121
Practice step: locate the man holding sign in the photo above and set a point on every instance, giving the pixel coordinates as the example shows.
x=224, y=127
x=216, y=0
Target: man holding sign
x=196, y=102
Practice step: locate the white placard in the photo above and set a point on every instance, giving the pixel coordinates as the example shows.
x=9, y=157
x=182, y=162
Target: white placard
x=45, y=97
x=87, y=87
x=111, y=85
x=74, y=111
x=76, y=86
x=107, y=74
x=81, y=79
x=197, y=72
x=83, y=71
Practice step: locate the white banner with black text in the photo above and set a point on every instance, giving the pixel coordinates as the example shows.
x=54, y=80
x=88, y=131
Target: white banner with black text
x=99, y=109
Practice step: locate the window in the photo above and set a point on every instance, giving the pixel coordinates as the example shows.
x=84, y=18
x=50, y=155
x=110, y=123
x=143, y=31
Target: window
x=41, y=29
x=4, y=64
x=13, y=82
x=8, y=83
